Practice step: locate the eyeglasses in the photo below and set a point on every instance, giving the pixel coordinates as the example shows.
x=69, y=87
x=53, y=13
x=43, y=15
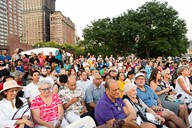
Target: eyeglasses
x=45, y=89
x=140, y=78
x=117, y=106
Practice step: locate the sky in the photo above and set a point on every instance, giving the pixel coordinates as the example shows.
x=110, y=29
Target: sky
x=83, y=12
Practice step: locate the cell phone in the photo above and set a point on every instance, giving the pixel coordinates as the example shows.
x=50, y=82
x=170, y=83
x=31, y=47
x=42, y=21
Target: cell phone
x=179, y=96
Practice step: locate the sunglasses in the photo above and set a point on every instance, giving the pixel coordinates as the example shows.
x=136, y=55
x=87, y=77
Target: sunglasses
x=117, y=106
x=45, y=89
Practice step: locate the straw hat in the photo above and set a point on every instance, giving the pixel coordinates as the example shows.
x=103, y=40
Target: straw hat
x=10, y=84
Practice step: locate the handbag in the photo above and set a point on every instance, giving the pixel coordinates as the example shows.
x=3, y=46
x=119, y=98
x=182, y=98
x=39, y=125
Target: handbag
x=26, y=126
x=144, y=117
x=171, y=98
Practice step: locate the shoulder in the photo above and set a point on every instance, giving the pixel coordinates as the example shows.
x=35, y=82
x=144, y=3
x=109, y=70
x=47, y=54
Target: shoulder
x=90, y=87
x=27, y=87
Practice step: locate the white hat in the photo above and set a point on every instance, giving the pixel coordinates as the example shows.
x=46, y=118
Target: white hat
x=10, y=84
x=139, y=74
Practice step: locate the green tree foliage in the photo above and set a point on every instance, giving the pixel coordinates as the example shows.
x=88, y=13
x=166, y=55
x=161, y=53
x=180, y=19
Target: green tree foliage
x=154, y=29
x=74, y=49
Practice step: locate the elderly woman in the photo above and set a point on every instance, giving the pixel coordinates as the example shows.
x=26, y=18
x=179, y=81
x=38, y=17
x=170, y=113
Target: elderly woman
x=14, y=111
x=47, y=109
x=133, y=103
x=183, y=85
x=162, y=91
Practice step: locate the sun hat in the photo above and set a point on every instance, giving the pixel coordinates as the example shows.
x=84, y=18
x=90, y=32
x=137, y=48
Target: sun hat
x=10, y=84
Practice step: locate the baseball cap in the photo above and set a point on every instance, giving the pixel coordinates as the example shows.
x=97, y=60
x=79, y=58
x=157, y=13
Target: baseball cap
x=139, y=74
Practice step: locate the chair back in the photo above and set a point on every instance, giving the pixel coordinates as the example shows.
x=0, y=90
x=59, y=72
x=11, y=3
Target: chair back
x=85, y=122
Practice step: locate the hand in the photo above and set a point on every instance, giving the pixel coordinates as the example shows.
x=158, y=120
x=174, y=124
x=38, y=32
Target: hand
x=160, y=119
x=28, y=122
x=167, y=89
x=157, y=108
x=21, y=125
x=84, y=109
x=74, y=100
x=57, y=123
x=49, y=125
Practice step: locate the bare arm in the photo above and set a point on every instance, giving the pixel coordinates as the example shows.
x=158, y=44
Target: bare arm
x=73, y=100
x=129, y=111
x=183, y=86
x=153, y=86
x=55, y=89
x=38, y=120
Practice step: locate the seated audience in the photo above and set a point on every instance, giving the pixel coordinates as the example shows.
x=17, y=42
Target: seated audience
x=31, y=90
x=60, y=83
x=132, y=102
x=73, y=101
x=14, y=111
x=95, y=91
x=110, y=107
x=162, y=92
x=47, y=109
x=148, y=96
x=183, y=85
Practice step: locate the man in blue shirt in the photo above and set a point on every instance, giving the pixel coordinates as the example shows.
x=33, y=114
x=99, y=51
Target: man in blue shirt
x=148, y=96
x=5, y=56
x=94, y=91
x=110, y=107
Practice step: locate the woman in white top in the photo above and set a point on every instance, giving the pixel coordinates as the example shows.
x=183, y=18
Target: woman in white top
x=14, y=111
x=183, y=85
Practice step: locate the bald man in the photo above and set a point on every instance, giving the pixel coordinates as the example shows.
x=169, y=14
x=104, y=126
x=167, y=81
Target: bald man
x=110, y=107
x=73, y=101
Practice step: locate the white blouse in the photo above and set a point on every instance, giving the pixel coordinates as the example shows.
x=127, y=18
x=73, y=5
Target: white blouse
x=179, y=90
x=7, y=112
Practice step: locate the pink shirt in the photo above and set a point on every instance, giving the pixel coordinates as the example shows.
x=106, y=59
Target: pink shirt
x=48, y=113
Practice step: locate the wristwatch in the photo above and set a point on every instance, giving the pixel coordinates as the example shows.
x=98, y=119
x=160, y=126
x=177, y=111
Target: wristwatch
x=60, y=120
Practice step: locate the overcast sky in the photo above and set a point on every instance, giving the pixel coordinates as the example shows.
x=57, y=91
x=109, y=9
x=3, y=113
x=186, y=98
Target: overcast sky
x=82, y=12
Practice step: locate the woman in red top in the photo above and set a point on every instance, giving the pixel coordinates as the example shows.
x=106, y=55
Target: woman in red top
x=47, y=109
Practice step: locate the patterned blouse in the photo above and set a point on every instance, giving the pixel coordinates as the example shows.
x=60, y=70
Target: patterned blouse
x=48, y=113
x=66, y=95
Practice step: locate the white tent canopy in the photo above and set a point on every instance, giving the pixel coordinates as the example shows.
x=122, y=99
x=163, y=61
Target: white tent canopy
x=45, y=50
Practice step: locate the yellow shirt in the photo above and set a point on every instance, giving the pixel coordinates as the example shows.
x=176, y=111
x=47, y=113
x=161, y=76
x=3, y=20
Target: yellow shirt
x=121, y=86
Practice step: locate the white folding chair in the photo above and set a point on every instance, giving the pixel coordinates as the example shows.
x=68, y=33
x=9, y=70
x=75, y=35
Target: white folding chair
x=190, y=119
x=85, y=122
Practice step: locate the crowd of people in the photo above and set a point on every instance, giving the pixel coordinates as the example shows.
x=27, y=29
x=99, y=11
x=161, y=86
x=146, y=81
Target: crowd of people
x=114, y=91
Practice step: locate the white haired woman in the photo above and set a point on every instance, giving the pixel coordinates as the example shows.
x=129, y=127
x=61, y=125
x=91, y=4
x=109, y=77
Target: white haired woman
x=133, y=103
x=47, y=109
x=14, y=111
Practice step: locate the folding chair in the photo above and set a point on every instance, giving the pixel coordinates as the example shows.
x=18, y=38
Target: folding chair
x=85, y=122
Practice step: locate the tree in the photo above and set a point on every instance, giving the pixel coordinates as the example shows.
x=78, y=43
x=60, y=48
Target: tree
x=162, y=33
x=152, y=30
